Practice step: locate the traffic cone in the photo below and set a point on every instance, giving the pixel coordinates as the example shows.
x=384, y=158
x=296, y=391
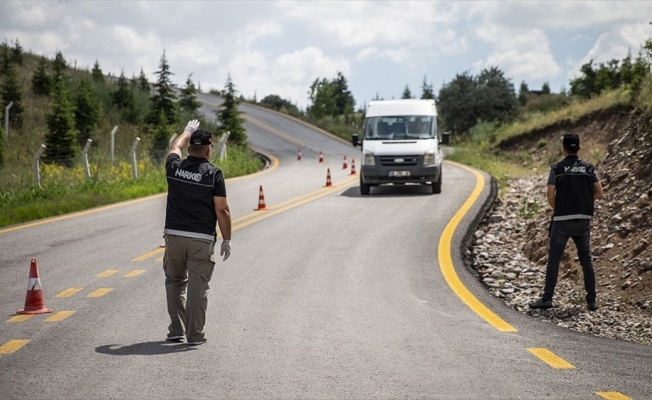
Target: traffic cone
x=321, y=157
x=34, y=303
x=353, y=166
x=261, y=199
x=345, y=165
x=328, y=178
x=299, y=155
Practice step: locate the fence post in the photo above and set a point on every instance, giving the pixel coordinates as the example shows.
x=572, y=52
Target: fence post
x=134, y=162
x=115, y=129
x=87, y=168
x=37, y=170
x=11, y=103
x=221, y=145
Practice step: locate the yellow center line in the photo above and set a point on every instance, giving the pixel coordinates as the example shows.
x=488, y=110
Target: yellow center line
x=99, y=292
x=69, y=292
x=108, y=273
x=12, y=346
x=20, y=318
x=613, y=396
x=60, y=316
x=134, y=273
x=257, y=216
x=551, y=358
x=448, y=269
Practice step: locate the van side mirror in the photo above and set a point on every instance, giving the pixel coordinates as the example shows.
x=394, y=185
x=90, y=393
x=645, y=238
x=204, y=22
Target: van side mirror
x=445, y=138
x=355, y=140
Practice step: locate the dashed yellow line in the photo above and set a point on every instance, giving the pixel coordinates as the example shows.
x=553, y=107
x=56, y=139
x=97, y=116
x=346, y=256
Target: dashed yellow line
x=134, y=273
x=551, y=358
x=613, y=396
x=59, y=316
x=446, y=260
x=99, y=292
x=108, y=273
x=20, y=318
x=69, y=292
x=12, y=346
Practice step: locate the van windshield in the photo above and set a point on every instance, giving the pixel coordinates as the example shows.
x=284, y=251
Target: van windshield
x=400, y=127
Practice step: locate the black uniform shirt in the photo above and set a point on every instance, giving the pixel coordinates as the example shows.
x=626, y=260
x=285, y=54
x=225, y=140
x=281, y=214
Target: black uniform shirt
x=574, y=181
x=192, y=183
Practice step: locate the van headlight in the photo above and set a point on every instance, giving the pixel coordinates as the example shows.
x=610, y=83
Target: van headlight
x=369, y=158
x=429, y=157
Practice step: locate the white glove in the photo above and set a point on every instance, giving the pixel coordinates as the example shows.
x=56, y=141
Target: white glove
x=226, y=249
x=191, y=127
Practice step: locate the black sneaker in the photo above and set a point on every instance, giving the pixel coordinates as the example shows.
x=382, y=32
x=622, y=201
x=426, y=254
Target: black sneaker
x=175, y=339
x=197, y=342
x=541, y=303
x=592, y=305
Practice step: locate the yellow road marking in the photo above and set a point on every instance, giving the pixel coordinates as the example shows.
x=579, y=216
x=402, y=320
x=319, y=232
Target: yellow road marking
x=448, y=269
x=108, y=273
x=551, y=358
x=69, y=292
x=12, y=346
x=60, y=316
x=257, y=216
x=613, y=396
x=134, y=273
x=20, y=318
x=99, y=292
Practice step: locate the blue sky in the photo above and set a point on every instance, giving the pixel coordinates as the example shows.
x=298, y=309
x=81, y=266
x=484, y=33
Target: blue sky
x=281, y=47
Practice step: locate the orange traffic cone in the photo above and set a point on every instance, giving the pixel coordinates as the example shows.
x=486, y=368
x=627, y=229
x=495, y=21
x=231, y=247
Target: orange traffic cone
x=299, y=155
x=345, y=165
x=34, y=303
x=328, y=178
x=353, y=166
x=261, y=199
x=321, y=157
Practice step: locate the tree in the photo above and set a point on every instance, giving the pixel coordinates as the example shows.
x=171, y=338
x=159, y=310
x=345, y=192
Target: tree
x=495, y=100
x=17, y=54
x=456, y=103
x=12, y=92
x=5, y=60
x=545, y=89
x=275, y=102
x=523, y=93
x=163, y=101
x=96, y=73
x=59, y=64
x=162, y=132
x=2, y=143
x=344, y=101
x=322, y=97
x=87, y=112
x=188, y=99
x=407, y=94
x=123, y=99
x=426, y=90
x=229, y=116
x=41, y=80
x=61, y=127
x=143, y=83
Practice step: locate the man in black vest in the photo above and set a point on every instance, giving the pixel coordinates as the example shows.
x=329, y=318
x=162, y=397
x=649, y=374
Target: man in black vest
x=573, y=186
x=196, y=202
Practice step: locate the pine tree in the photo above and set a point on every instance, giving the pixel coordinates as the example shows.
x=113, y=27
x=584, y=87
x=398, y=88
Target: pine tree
x=41, y=80
x=407, y=94
x=188, y=99
x=162, y=132
x=17, y=54
x=59, y=64
x=5, y=58
x=123, y=97
x=11, y=92
x=143, y=83
x=426, y=90
x=163, y=102
x=229, y=116
x=96, y=73
x=523, y=93
x=87, y=112
x=61, y=133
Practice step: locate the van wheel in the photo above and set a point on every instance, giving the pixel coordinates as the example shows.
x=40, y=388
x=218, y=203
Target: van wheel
x=364, y=188
x=436, y=186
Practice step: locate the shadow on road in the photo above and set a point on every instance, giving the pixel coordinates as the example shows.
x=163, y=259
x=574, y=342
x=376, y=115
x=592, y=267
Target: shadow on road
x=390, y=191
x=144, y=349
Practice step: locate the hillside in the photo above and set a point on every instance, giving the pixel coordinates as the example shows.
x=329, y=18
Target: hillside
x=621, y=139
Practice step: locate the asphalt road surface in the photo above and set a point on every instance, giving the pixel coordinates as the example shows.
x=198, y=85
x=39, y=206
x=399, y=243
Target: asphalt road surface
x=327, y=295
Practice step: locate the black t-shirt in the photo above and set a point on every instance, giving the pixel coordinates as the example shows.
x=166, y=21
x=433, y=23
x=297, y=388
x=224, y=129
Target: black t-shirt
x=574, y=181
x=192, y=183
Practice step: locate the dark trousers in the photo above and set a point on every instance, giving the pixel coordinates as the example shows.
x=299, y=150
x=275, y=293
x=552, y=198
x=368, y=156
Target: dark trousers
x=579, y=230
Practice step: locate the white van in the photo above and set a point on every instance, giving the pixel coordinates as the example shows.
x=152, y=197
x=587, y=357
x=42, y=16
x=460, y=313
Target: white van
x=401, y=144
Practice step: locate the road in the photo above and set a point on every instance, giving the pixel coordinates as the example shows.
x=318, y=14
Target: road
x=327, y=295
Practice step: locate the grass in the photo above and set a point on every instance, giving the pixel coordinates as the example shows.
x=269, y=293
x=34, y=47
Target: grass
x=65, y=190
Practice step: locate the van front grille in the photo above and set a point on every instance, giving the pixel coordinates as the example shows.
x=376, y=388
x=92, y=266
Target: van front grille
x=397, y=161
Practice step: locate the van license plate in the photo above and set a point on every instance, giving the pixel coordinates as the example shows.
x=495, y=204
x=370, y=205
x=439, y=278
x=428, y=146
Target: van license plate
x=399, y=173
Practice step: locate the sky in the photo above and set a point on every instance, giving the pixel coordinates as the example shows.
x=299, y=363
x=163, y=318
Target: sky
x=282, y=47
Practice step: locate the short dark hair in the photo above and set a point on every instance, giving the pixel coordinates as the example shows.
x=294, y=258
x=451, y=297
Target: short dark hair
x=198, y=148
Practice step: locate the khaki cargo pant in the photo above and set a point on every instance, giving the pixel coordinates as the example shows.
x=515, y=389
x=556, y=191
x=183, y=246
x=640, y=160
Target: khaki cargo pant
x=188, y=264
